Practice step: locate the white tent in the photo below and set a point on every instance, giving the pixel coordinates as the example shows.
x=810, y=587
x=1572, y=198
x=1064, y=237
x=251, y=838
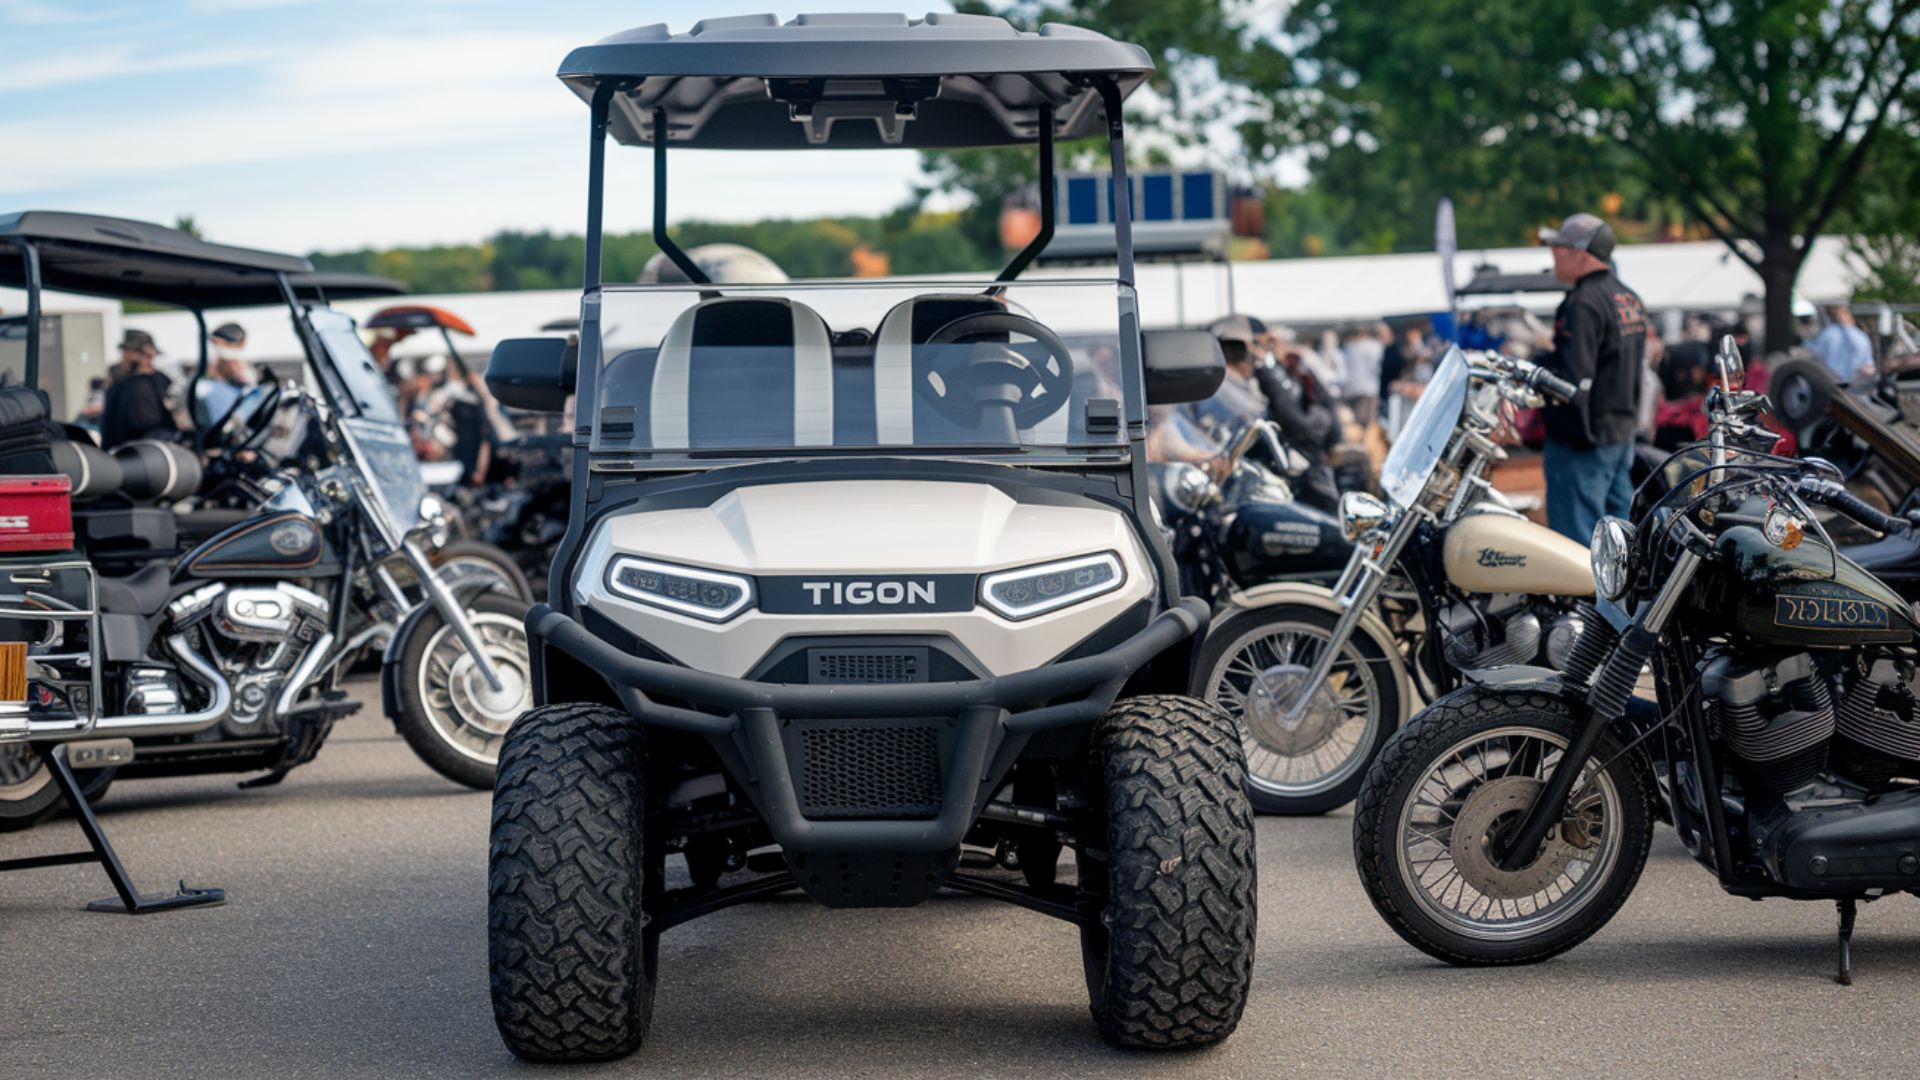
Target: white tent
x=1690, y=276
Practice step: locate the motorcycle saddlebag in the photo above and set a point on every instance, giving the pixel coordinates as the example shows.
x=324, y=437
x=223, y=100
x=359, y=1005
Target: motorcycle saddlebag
x=26, y=437
x=35, y=514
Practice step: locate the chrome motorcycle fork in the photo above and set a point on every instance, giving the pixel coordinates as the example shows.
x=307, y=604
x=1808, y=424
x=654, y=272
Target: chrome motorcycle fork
x=443, y=601
x=1611, y=687
x=1358, y=587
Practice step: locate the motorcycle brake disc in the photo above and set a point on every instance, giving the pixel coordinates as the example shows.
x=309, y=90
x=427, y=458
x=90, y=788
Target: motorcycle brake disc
x=1494, y=806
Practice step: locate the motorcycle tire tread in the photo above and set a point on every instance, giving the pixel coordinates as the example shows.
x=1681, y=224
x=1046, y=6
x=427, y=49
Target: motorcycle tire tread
x=1376, y=814
x=571, y=962
x=1170, y=963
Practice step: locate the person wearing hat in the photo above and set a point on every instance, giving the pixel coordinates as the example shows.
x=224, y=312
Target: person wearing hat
x=1599, y=345
x=228, y=375
x=136, y=402
x=1239, y=401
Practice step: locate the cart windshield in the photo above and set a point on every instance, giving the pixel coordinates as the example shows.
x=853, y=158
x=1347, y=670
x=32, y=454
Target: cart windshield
x=1029, y=370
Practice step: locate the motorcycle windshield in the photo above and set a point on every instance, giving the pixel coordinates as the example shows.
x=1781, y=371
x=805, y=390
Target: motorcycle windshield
x=1423, y=439
x=381, y=448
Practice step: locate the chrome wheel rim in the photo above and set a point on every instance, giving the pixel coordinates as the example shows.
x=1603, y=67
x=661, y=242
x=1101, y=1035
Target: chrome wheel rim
x=468, y=714
x=22, y=773
x=1257, y=679
x=1447, y=846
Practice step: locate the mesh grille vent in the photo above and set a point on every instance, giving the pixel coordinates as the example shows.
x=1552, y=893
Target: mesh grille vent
x=890, y=771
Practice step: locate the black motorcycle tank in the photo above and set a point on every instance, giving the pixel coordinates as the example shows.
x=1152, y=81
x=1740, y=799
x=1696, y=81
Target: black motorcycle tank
x=268, y=546
x=1805, y=596
x=1270, y=540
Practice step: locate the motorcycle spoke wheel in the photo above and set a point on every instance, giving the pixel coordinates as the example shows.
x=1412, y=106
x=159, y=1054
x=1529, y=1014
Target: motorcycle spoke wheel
x=1262, y=674
x=1470, y=797
x=468, y=714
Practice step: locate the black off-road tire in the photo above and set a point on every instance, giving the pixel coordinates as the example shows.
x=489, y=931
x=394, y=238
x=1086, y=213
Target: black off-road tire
x=1404, y=764
x=571, y=961
x=1170, y=962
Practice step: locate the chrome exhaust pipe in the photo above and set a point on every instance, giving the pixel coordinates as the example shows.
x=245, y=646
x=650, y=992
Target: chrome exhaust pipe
x=303, y=674
x=177, y=723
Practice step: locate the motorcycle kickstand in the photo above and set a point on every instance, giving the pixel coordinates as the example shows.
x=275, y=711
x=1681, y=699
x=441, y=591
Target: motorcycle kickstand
x=1848, y=909
x=129, y=901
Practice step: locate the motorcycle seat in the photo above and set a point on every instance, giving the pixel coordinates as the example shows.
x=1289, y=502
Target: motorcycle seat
x=1893, y=559
x=143, y=592
x=196, y=526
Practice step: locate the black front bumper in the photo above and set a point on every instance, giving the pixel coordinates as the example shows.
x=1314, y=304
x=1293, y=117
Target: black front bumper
x=983, y=722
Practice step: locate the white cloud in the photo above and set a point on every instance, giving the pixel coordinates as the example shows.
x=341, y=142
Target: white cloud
x=118, y=61
x=222, y=7
x=28, y=13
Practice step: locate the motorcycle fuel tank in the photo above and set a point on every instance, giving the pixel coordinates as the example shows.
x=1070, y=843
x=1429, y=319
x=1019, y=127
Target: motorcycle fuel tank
x=1497, y=552
x=271, y=545
x=1271, y=540
x=1804, y=596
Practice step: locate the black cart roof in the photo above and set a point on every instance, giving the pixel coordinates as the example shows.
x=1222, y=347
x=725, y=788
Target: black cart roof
x=138, y=260
x=856, y=81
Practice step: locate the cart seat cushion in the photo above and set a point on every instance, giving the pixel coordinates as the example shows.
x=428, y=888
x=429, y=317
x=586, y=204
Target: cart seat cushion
x=906, y=327
x=743, y=372
x=143, y=592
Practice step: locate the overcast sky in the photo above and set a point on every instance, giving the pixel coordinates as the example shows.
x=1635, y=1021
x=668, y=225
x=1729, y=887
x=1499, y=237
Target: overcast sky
x=335, y=124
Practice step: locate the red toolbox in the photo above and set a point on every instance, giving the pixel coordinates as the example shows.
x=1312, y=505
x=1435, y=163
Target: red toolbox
x=35, y=513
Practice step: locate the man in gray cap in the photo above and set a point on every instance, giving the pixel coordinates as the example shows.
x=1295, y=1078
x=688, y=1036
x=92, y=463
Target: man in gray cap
x=1599, y=345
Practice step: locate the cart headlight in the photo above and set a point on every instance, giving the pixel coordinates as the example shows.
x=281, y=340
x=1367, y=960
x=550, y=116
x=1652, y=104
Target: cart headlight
x=704, y=594
x=1360, y=513
x=1032, y=590
x=1612, y=540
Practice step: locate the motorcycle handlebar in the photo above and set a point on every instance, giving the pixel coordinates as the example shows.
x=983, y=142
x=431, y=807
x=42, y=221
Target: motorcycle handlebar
x=1829, y=493
x=1553, y=386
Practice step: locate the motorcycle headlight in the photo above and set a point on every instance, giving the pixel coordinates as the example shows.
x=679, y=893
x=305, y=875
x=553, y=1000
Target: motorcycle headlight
x=704, y=594
x=1034, y=590
x=1189, y=489
x=1360, y=513
x=1612, y=541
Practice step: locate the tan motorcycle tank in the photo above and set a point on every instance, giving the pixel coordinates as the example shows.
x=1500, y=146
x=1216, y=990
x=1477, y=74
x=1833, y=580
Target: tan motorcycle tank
x=1497, y=552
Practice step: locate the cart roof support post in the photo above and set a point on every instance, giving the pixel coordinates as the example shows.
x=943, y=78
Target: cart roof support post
x=660, y=238
x=30, y=375
x=1041, y=239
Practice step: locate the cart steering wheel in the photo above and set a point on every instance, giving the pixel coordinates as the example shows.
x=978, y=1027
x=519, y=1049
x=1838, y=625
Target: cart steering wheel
x=249, y=421
x=997, y=387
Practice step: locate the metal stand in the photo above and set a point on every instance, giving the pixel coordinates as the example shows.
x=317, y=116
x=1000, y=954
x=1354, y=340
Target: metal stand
x=130, y=901
x=1848, y=909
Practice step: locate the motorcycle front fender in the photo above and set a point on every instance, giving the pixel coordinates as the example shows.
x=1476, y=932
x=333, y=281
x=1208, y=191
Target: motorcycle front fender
x=1524, y=677
x=464, y=590
x=1320, y=597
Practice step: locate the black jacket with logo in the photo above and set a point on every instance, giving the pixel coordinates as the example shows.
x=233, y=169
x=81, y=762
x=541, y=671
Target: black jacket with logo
x=1599, y=345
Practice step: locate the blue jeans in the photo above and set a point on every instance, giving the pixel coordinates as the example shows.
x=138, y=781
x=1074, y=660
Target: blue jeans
x=1584, y=485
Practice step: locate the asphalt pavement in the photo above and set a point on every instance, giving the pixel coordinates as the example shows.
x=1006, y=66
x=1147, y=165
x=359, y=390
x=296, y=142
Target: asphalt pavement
x=353, y=943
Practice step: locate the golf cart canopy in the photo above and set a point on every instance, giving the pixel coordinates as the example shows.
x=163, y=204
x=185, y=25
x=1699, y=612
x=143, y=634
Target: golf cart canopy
x=417, y=317
x=853, y=81
x=137, y=260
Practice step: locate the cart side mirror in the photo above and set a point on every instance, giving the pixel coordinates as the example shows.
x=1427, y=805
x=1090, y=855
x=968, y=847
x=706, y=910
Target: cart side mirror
x=535, y=374
x=1182, y=365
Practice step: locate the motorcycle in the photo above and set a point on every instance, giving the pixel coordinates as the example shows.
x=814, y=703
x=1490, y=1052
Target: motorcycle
x=1443, y=576
x=212, y=638
x=1510, y=820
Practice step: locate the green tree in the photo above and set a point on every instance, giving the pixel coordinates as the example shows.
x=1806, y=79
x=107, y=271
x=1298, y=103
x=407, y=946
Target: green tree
x=1883, y=226
x=1755, y=116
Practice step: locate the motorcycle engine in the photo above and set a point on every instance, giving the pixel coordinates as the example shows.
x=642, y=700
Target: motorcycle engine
x=1879, y=731
x=256, y=636
x=1775, y=717
x=1507, y=630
